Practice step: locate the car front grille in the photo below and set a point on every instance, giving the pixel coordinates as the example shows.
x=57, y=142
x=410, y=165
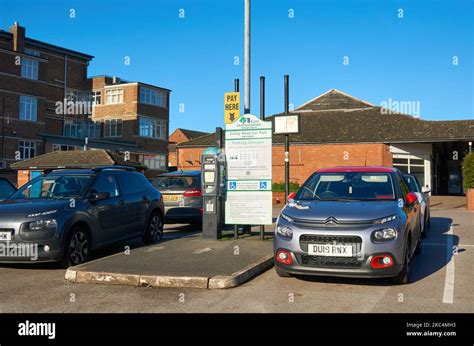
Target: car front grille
x=329, y=239
x=328, y=261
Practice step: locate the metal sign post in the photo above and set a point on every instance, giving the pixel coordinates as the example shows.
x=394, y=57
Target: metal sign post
x=287, y=143
x=286, y=124
x=262, y=117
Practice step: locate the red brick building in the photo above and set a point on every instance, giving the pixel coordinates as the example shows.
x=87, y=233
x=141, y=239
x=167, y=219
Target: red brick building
x=177, y=137
x=48, y=103
x=340, y=130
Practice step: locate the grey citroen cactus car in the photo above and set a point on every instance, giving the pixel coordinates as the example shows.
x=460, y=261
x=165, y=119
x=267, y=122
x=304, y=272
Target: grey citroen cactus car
x=349, y=222
x=68, y=213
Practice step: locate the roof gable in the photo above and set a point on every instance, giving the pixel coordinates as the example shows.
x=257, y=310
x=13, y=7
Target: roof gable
x=332, y=100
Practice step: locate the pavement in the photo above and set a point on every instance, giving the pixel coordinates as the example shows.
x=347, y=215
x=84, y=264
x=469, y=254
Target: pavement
x=447, y=202
x=440, y=282
x=181, y=260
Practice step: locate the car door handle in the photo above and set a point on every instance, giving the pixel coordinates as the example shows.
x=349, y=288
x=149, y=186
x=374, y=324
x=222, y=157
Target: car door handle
x=122, y=202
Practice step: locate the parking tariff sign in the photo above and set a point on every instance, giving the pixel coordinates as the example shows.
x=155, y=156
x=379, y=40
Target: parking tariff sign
x=248, y=150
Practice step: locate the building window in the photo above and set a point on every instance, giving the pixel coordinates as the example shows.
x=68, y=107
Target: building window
x=32, y=52
x=154, y=161
x=96, y=97
x=153, y=97
x=64, y=147
x=113, y=128
x=82, y=129
x=29, y=68
x=78, y=95
x=114, y=96
x=27, y=149
x=152, y=128
x=412, y=165
x=28, y=108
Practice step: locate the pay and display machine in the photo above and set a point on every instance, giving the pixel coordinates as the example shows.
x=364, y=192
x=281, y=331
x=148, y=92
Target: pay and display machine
x=213, y=190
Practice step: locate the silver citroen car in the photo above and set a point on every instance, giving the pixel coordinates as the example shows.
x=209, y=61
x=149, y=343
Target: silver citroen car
x=350, y=222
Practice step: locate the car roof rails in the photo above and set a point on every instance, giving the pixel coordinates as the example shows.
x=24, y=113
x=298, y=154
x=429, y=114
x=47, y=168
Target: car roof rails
x=121, y=168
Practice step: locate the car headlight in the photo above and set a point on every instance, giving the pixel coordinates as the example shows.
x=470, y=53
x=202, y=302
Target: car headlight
x=284, y=231
x=43, y=225
x=384, y=234
x=286, y=217
x=385, y=220
x=44, y=213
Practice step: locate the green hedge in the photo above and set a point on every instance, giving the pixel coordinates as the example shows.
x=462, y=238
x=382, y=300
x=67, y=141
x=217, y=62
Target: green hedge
x=468, y=171
x=280, y=187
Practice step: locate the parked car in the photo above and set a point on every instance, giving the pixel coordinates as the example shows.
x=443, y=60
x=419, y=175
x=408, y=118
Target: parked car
x=69, y=213
x=6, y=188
x=349, y=222
x=423, y=195
x=182, y=196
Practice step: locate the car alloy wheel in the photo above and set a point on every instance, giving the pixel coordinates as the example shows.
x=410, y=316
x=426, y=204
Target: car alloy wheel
x=155, y=228
x=404, y=276
x=79, y=248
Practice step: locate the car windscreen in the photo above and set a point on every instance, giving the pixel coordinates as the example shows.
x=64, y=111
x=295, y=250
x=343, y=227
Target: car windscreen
x=6, y=189
x=412, y=184
x=179, y=182
x=54, y=186
x=347, y=186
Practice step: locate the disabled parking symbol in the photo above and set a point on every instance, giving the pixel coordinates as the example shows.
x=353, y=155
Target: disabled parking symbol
x=263, y=185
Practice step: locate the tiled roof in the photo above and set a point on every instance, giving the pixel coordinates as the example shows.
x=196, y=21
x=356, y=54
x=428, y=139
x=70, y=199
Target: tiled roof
x=335, y=117
x=191, y=134
x=74, y=159
x=334, y=99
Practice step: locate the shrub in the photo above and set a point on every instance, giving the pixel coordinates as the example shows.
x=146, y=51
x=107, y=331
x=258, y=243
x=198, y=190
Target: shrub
x=280, y=187
x=468, y=171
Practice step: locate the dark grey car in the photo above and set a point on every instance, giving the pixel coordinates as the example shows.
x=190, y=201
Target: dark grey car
x=182, y=196
x=66, y=214
x=6, y=188
x=351, y=222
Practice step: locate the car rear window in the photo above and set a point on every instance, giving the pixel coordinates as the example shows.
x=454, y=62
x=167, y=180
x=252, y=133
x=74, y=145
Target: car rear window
x=184, y=182
x=131, y=183
x=411, y=182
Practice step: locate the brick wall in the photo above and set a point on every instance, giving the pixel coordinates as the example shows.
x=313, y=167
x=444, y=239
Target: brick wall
x=189, y=158
x=48, y=89
x=306, y=159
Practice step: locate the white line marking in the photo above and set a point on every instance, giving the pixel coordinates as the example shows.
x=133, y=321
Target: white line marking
x=448, y=295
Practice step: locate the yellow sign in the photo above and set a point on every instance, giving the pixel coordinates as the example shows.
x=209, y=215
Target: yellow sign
x=231, y=107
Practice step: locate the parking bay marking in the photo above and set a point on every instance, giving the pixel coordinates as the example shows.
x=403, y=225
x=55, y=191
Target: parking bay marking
x=199, y=251
x=448, y=295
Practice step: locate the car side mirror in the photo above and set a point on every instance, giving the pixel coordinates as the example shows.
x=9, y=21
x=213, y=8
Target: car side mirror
x=425, y=189
x=99, y=196
x=411, y=198
x=292, y=195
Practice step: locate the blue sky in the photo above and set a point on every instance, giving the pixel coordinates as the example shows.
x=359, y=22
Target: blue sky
x=404, y=59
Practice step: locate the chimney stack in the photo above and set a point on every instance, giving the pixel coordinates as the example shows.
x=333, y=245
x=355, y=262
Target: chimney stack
x=18, y=37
